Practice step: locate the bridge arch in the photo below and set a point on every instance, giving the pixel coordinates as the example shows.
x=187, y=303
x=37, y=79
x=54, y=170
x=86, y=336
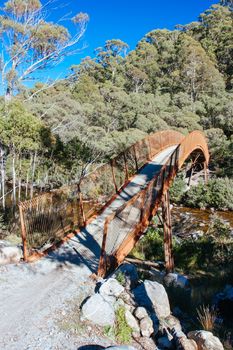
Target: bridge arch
x=145, y=205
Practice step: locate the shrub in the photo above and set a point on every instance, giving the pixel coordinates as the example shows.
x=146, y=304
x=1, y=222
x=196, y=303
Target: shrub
x=120, y=277
x=219, y=229
x=123, y=331
x=177, y=189
x=218, y=193
x=150, y=247
x=206, y=316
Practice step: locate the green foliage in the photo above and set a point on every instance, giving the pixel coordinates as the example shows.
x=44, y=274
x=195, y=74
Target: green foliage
x=150, y=247
x=120, y=277
x=20, y=129
x=214, y=248
x=109, y=331
x=177, y=189
x=218, y=228
x=218, y=193
x=123, y=331
x=30, y=43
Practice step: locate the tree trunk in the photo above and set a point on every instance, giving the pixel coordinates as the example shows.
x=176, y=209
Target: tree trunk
x=14, y=179
x=3, y=178
x=27, y=179
x=33, y=174
x=19, y=179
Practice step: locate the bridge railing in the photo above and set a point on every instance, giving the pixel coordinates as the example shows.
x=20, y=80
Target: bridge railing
x=48, y=218
x=123, y=228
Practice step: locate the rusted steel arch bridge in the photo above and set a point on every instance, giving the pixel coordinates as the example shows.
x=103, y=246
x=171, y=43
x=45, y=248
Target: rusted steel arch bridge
x=104, y=217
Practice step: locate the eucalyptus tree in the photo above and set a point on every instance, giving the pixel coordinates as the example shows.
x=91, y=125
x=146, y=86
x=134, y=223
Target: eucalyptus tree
x=30, y=43
x=111, y=55
x=21, y=134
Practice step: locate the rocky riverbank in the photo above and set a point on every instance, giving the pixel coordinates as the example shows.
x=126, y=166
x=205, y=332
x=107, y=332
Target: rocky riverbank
x=138, y=313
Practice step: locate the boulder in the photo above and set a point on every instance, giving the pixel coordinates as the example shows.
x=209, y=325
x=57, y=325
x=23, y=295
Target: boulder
x=181, y=341
x=131, y=321
x=111, y=287
x=153, y=296
x=119, y=302
x=130, y=274
x=98, y=311
x=187, y=344
x=9, y=254
x=140, y=312
x=146, y=326
x=205, y=340
x=176, y=280
x=170, y=322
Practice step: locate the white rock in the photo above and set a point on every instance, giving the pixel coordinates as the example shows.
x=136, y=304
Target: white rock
x=140, y=312
x=10, y=254
x=146, y=326
x=176, y=280
x=109, y=298
x=153, y=296
x=171, y=322
x=205, y=340
x=131, y=321
x=111, y=287
x=119, y=302
x=98, y=311
x=182, y=342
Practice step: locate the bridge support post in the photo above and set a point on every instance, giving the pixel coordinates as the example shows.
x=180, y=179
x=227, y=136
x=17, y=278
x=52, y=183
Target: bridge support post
x=205, y=172
x=80, y=203
x=167, y=229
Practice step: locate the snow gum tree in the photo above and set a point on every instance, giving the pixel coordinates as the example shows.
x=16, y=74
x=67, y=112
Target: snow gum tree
x=30, y=43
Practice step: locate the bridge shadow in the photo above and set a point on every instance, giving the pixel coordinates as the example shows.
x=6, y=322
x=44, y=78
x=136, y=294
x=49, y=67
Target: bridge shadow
x=81, y=250
x=139, y=182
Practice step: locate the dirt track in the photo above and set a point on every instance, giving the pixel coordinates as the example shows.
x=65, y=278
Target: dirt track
x=34, y=298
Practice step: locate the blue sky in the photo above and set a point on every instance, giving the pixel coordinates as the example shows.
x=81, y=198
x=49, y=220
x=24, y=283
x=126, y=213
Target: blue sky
x=128, y=20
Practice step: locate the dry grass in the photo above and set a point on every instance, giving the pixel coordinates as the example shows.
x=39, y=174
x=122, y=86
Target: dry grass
x=206, y=316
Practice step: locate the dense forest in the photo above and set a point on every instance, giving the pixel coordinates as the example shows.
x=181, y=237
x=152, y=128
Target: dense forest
x=182, y=79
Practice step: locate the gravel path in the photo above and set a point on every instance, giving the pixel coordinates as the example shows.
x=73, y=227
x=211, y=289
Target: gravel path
x=36, y=297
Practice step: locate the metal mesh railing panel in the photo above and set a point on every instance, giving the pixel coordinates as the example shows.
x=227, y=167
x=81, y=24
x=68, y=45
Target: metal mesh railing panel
x=98, y=187
x=131, y=161
x=48, y=217
x=143, y=152
x=119, y=170
x=122, y=224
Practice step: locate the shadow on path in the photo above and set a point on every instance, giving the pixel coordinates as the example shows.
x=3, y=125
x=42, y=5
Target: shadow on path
x=91, y=347
x=71, y=253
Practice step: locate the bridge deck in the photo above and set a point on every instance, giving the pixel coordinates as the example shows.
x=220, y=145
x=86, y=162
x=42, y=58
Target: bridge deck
x=84, y=248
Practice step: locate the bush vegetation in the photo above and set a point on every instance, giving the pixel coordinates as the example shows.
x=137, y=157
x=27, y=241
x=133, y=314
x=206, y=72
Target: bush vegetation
x=215, y=248
x=217, y=193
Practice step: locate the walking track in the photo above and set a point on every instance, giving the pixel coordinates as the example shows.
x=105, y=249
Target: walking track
x=33, y=295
